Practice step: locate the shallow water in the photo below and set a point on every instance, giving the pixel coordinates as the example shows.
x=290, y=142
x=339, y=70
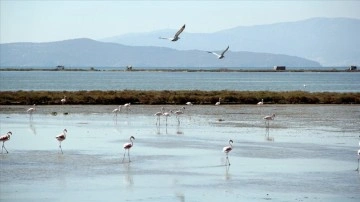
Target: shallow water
x=307, y=154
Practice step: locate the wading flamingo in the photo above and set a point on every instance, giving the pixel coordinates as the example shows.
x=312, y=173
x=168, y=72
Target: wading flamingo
x=31, y=110
x=226, y=150
x=261, y=103
x=127, y=146
x=358, y=153
x=127, y=106
x=61, y=137
x=176, y=36
x=178, y=113
x=3, y=139
x=221, y=56
x=268, y=119
x=117, y=110
x=166, y=114
x=63, y=100
x=159, y=114
x=218, y=103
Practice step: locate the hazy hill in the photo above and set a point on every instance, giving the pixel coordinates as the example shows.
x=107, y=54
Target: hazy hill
x=91, y=53
x=330, y=41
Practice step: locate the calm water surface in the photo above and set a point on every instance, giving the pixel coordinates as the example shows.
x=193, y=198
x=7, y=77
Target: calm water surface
x=240, y=81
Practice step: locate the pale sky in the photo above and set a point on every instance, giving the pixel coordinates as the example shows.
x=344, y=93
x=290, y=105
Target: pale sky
x=48, y=20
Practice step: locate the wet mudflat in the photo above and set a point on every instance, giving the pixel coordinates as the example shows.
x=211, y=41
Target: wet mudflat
x=307, y=154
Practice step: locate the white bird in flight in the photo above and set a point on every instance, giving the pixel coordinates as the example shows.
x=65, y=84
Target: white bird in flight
x=221, y=56
x=176, y=36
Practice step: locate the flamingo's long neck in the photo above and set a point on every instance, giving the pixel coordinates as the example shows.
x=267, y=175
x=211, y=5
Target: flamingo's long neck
x=131, y=142
x=230, y=144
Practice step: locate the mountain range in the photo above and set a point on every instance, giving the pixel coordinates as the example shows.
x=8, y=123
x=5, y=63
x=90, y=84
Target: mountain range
x=329, y=41
x=309, y=43
x=90, y=53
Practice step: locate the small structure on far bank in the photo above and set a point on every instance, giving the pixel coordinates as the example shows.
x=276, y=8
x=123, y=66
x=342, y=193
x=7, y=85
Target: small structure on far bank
x=279, y=68
x=129, y=68
x=352, y=68
x=60, y=67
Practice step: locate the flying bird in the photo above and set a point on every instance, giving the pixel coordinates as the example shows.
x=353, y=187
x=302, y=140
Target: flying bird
x=61, y=137
x=3, y=139
x=127, y=146
x=226, y=150
x=221, y=56
x=176, y=36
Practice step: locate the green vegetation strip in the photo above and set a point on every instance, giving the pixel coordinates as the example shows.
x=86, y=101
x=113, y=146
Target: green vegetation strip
x=174, y=97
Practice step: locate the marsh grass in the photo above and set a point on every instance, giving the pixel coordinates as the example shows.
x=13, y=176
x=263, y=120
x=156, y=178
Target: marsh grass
x=175, y=97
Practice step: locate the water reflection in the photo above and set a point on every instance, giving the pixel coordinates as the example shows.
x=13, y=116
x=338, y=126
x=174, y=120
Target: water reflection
x=227, y=173
x=32, y=127
x=267, y=135
x=179, y=130
x=180, y=196
x=128, y=177
x=158, y=132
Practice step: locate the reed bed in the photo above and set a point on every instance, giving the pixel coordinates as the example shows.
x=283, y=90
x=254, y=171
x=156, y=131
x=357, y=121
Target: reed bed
x=175, y=97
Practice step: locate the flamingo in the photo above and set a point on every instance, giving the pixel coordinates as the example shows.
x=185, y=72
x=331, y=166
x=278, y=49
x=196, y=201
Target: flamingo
x=261, y=103
x=3, y=139
x=221, y=56
x=226, y=150
x=268, y=119
x=61, y=137
x=166, y=114
x=63, y=100
x=218, y=103
x=127, y=106
x=178, y=113
x=358, y=153
x=31, y=110
x=158, y=114
x=176, y=36
x=117, y=110
x=127, y=146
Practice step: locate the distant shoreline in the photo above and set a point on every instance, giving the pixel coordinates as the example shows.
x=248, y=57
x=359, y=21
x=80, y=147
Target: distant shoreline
x=180, y=97
x=177, y=70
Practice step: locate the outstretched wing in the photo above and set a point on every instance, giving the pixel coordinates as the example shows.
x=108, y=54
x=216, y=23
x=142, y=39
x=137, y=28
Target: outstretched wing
x=165, y=38
x=179, y=32
x=225, y=51
x=214, y=53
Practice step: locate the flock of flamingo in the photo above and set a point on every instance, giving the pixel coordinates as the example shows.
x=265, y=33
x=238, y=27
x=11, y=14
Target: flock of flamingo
x=127, y=146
